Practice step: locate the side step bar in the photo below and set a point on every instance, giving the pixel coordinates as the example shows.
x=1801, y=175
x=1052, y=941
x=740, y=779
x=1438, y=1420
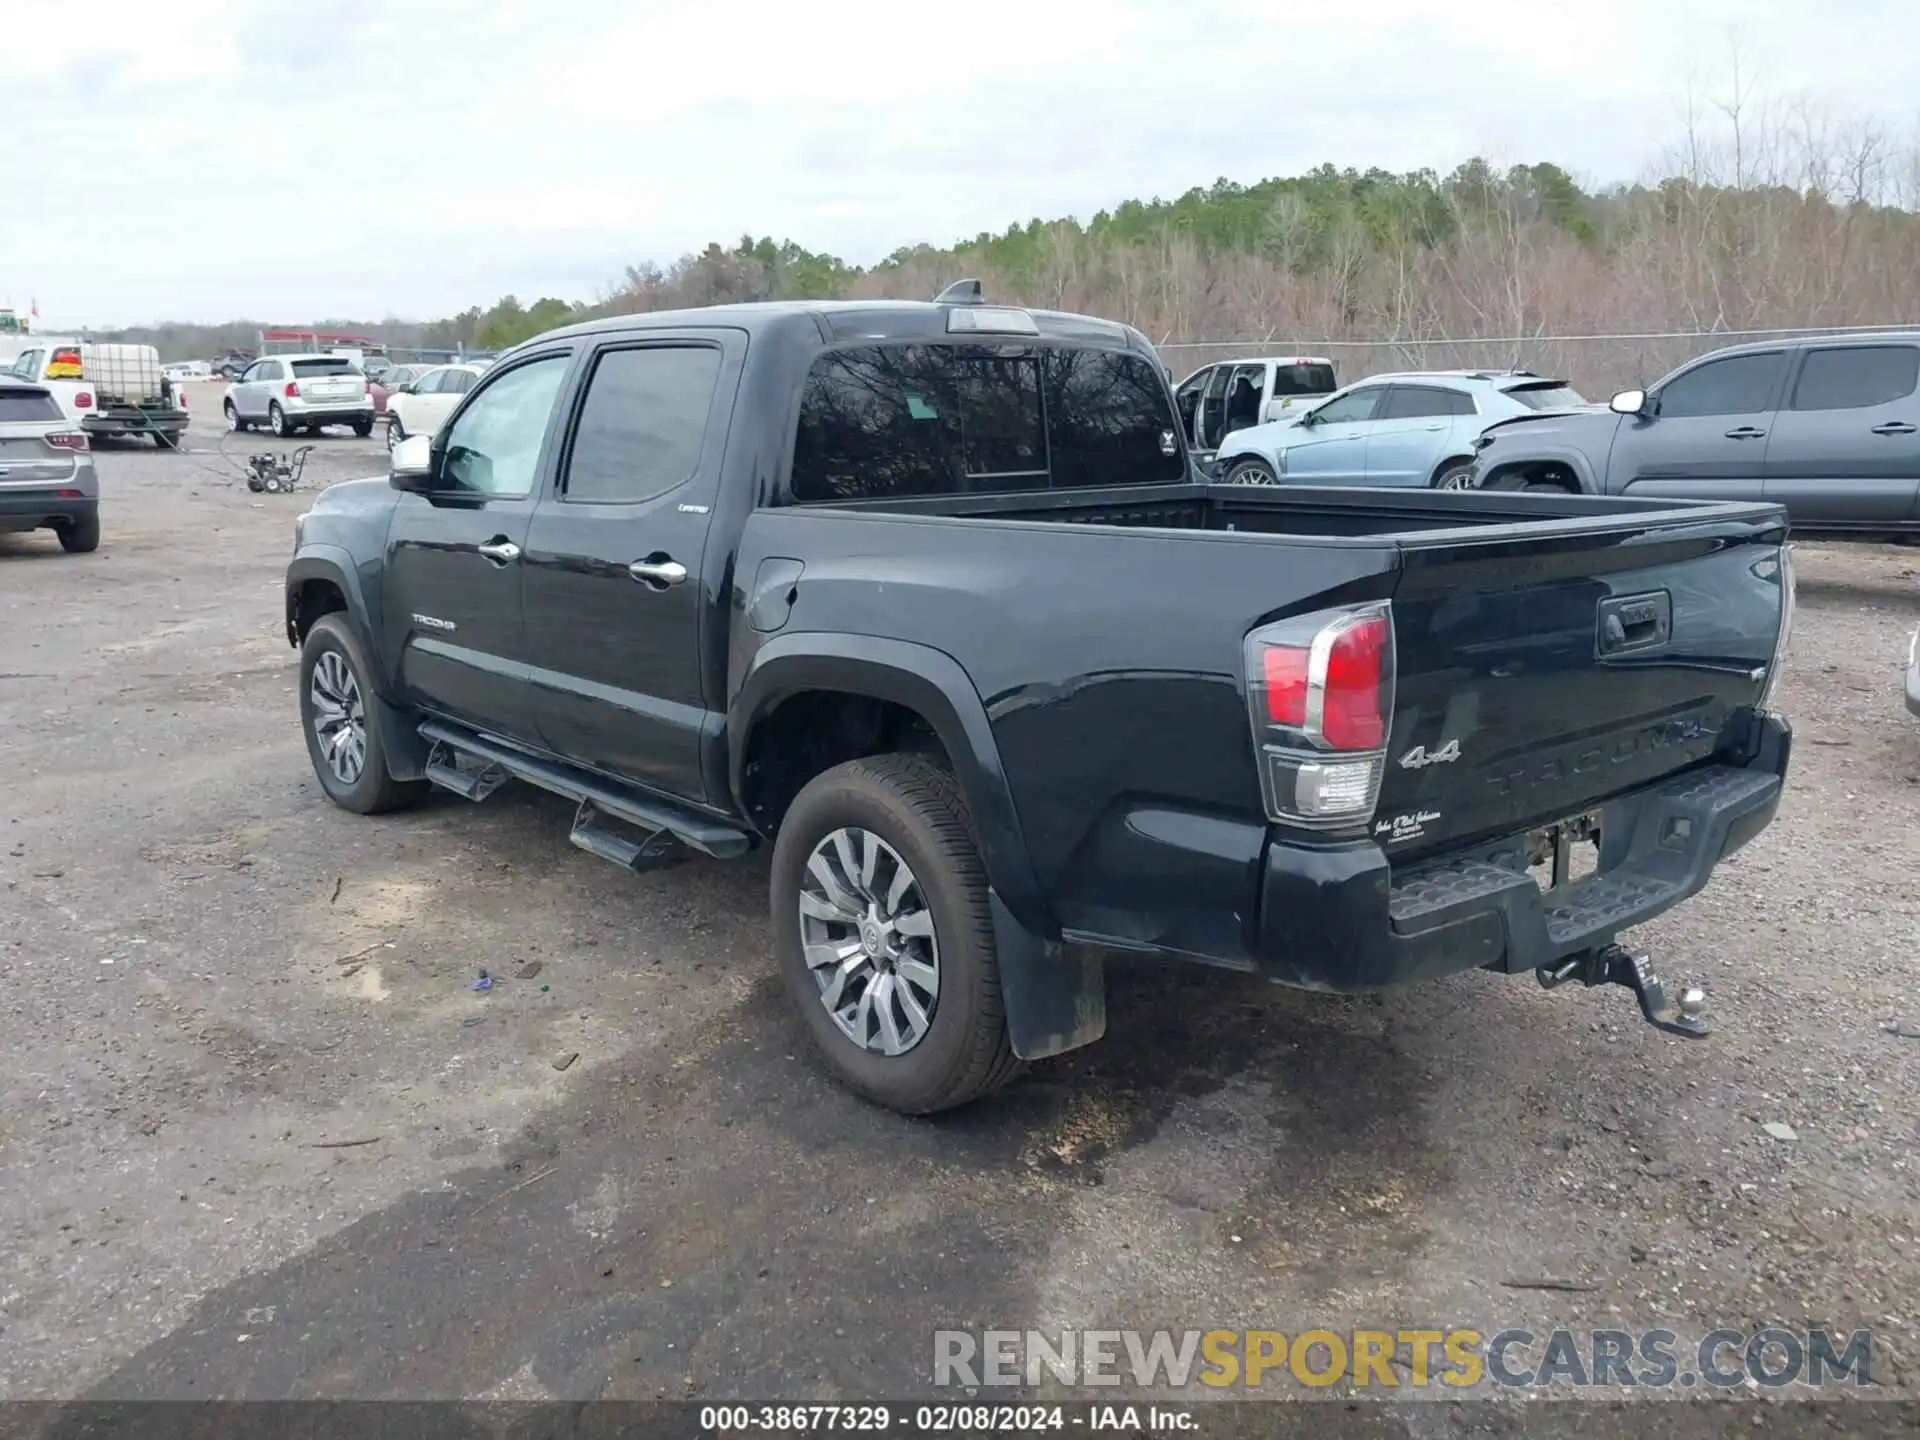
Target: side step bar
x=598, y=800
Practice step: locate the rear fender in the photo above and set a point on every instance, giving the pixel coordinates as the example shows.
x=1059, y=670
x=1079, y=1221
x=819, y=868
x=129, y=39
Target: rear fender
x=1054, y=1002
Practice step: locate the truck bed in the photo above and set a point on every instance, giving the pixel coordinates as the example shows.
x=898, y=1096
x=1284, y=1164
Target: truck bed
x=1105, y=633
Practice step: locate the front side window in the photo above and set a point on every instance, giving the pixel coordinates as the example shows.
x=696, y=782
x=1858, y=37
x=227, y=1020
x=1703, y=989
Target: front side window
x=894, y=421
x=1737, y=385
x=642, y=424
x=1354, y=405
x=493, y=448
x=1855, y=377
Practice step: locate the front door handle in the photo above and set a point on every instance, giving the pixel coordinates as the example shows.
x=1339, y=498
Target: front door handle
x=1746, y=432
x=1893, y=427
x=657, y=572
x=500, y=552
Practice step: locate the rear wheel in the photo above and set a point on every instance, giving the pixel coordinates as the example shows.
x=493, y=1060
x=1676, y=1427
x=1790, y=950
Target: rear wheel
x=885, y=937
x=1454, y=475
x=1251, y=472
x=81, y=536
x=343, y=720
x=277, y=421
x=363, y=428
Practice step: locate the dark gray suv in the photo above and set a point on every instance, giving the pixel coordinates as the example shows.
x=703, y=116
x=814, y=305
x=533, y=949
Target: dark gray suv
x=1828, y=427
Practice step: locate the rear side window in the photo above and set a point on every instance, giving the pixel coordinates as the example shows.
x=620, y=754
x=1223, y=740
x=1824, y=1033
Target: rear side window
x=1303, y=380
x=1415, y=402
x=642, y=424
x=895, y=421
x=33, y=405
x=1737, y=385
x=1857, y=376
x=326, y=365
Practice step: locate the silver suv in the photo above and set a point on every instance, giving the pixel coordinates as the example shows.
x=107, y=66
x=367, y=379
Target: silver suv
x=47, y=480
x=290, y=393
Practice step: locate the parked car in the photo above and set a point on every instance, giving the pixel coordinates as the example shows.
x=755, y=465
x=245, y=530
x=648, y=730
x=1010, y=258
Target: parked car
x=1217, y=400
x=232, y=365
x=1913, y=674
x=108, y=390
x=47, y=479
x=1828, y=426
x=864, y=582
x=390, y=380
x=421, y=407
x=1413, y=428
x=291, y=393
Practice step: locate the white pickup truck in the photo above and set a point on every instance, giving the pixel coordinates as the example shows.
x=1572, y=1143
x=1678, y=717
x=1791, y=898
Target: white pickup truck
x=107, y=389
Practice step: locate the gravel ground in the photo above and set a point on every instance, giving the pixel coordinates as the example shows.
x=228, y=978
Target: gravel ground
x=261, y=1138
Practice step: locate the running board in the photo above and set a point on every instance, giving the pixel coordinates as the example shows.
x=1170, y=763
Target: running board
x=653, y=850
x=597, y=798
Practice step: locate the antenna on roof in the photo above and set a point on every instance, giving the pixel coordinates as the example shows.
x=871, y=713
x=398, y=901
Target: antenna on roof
x=962, y=292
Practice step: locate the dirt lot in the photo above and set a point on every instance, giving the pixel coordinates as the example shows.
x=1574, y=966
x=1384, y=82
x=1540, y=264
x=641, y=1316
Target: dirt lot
x=261, y=1137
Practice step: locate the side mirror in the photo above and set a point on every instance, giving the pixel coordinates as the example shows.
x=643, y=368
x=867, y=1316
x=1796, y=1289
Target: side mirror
x=413, y=465
x=1629, y=402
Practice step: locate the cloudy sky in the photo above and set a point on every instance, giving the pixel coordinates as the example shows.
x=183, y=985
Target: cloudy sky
x=287, y=159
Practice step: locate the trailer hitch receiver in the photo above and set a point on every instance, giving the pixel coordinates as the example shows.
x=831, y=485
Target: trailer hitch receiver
x=1616, y=965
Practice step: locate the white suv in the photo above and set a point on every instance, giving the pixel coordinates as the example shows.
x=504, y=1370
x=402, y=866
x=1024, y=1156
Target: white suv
x=423, y=407
x=290, y=393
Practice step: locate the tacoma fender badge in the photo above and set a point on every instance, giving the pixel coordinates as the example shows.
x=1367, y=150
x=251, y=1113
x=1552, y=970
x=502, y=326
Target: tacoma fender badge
x=1419, y=757
x=433, y=622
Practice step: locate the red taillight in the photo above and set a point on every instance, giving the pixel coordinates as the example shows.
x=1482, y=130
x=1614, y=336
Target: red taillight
x=70, y=494
x=83, y=401
x=1350, y=716
x=293, y=389
x=1320, y=695
x=67, y=440
x=1285, y=667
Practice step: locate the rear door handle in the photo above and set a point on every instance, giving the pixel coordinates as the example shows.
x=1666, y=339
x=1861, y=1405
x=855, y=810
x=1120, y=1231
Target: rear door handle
x=1746, y=432
x=1893, y=427
x=501, y=551
x=657, y=572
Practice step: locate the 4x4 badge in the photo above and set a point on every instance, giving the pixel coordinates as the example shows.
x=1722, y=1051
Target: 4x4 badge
x=1418, y=758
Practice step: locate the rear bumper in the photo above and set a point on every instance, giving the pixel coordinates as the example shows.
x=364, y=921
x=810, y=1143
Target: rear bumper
x=129, y=421
x=1341, y=919
x=30, y=509
x=357, y=412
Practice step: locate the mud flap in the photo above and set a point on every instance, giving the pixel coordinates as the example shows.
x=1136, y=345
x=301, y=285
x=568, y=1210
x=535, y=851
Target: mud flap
x=1056, y=1001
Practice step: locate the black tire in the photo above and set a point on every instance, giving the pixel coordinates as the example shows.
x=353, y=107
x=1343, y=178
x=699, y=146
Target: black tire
x=277, y=421
x=363, y=428
x=234, y=422
x=916, y=807
x=396, y=432
x=1251, y=472
x=1452, y=475
x=373, y=790
x=82, y=536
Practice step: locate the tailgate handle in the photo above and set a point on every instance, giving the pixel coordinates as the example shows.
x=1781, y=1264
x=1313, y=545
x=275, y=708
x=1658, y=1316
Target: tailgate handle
x=1635, y=622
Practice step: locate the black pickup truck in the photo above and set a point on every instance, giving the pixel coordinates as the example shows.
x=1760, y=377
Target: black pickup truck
x=930, y=597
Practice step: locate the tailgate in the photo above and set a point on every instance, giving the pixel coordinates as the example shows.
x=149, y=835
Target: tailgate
x=1540, y=670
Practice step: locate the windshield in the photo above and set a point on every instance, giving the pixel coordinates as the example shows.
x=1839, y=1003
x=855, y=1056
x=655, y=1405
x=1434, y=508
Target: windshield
x=1548, y=395
x=1303, y=380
